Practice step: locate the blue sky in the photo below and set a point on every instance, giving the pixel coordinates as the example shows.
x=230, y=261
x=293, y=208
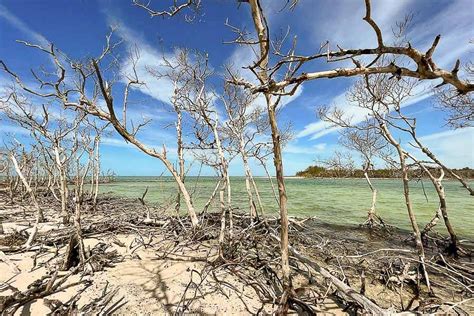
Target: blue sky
x=78, y=28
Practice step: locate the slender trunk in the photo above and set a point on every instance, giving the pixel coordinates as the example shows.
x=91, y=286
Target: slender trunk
x=182, y=188
x=76, y=238
x=278, y=161
x=264, y=43
x=252, y=208
x=63, y=189
x=78, y=229
x=179, y=133
x=411, y=214
x=39, y=211
x=97, y=173
x=269, y=177
x=442, y=210
x=222, y=230
x=372, y=217
x=406, y=192
x=225, y=176
x=184, y=193
x=257, y=194
x=213, y=195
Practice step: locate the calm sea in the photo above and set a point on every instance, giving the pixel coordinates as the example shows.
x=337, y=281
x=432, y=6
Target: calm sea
x=337, y=201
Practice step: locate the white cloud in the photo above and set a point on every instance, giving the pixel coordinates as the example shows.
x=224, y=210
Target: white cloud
x=22, y=26
x=455, y=148
x=357, y=114
x=295, y=148
x=159, y=89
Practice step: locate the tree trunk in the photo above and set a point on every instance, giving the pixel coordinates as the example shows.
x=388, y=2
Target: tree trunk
x=222, y=230
x=257, y=194
x=39, y=211
x=179, y=134
x=252, y=208
x=406, y=192
x=278, y=161
x=225, y=176
x=442, y=211
x=372, y=218
x=264, y=43
x=184, y=193
x=63, y=189
x=213, y=195
x=97, y=173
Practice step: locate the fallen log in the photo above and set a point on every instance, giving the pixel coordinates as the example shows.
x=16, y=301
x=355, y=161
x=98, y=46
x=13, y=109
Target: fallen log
x=347, y=293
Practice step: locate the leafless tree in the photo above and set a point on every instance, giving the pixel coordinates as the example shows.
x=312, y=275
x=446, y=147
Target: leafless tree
x=75, y=93
x=176, y=69
x=197, y=99
x=246, y=129
x=286, y=74
x=23, y=167
x=85, y=141
x=369, y=144
x=46, y=126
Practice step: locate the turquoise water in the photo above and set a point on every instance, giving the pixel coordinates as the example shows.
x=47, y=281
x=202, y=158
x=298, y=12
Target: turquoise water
x=338, y=201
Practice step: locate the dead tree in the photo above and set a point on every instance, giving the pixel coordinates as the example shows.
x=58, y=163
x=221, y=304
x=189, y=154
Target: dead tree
x=369, y=144
x=84, y=141
x=50, y=132
x=93, y=152
x=20, y=170
x=75, y=95
x=409, y=126
x=177, y=72
x=197, y=101
x=286, y=74
x=246, y=131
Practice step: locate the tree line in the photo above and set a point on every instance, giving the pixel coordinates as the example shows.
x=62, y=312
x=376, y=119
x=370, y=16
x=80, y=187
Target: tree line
x=323, y=172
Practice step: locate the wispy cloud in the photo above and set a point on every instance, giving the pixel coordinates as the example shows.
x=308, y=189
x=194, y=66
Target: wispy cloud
x=22, y=26
x=295, y=148
x=149, y=57
x=453, y=147
x=356, y=114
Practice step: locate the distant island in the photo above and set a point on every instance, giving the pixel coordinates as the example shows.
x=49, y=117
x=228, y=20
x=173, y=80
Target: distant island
x=321, y=172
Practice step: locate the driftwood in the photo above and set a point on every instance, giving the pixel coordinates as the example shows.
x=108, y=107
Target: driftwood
x=346, y=291
x=251, y=256
x=43, y=287
x=102, y=305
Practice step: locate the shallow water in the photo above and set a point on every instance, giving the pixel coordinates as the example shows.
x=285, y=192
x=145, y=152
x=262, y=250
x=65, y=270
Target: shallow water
x=337, y=201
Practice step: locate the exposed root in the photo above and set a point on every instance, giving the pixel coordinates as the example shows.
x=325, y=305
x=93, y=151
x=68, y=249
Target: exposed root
x=359, y=277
